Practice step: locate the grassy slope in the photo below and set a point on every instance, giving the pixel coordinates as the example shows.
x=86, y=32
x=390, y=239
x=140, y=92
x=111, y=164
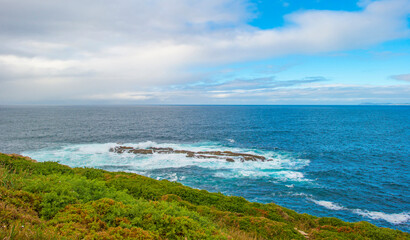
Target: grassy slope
x=52, y=201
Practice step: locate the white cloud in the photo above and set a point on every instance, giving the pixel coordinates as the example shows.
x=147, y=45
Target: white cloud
x=305, y=94
x=402, y=77
x=18, y=67
x=83, y=48
x=123, y=96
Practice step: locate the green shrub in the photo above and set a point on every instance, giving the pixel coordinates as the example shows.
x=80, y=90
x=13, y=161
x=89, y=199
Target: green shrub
x=52, y=201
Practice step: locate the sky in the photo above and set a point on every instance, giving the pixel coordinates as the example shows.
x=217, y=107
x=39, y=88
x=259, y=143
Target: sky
x=204, y=52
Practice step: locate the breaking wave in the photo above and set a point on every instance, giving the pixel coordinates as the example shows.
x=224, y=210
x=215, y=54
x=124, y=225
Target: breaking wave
x=283, y=166
x=328, y=205
x=393, y=218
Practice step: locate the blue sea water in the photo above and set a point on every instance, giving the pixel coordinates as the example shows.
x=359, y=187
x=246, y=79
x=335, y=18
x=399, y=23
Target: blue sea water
x=350, y=162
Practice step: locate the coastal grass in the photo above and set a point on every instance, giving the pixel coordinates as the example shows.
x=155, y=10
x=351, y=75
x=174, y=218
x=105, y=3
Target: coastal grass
x=47, y=200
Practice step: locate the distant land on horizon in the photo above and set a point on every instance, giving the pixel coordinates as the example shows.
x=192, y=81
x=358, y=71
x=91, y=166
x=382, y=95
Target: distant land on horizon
x=386, y=104
x=136, y=104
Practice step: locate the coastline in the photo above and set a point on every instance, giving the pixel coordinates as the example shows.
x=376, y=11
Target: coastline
x=84, y=203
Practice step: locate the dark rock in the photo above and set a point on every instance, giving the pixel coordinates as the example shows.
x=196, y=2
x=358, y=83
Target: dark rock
x=141, y=151
x=162, y=150
x=204, y=157
x=227, y=155
x=190, y=154
x=217, y=153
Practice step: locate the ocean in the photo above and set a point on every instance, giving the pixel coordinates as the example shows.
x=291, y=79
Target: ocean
x=349, y=162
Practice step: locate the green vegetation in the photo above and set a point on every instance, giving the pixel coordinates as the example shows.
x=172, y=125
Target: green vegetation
x=51, y=201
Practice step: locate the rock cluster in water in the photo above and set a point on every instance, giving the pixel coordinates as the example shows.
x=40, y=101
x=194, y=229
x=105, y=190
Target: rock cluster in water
x=225, y=155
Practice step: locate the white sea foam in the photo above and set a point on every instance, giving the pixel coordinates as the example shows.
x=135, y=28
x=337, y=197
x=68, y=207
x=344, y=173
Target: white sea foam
x=309, y=196
x=328, y=205
x=241, y=174
x=282, y=166
x=291, y=176
x=173, y=177
x=394, y=218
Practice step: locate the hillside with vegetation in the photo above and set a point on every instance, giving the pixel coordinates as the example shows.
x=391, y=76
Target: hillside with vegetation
x=47, y=200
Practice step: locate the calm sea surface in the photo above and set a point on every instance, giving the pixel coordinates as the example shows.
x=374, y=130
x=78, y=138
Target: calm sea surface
x=350, y=162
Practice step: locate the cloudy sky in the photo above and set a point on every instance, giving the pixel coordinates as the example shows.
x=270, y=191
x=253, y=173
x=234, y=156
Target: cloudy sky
x=204, y=51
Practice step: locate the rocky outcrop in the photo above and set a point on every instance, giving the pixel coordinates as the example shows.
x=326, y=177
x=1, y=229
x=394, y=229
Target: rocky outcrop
x=223, y=155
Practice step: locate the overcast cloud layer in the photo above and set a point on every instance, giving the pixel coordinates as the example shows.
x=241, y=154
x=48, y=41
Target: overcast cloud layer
x=145, y=51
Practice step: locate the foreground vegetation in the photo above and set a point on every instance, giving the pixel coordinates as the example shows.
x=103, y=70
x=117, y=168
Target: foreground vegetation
x=52, y=201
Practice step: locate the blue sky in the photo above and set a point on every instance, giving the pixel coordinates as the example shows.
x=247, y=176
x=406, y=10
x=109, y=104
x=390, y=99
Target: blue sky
x=269, y=14
x=205, y=52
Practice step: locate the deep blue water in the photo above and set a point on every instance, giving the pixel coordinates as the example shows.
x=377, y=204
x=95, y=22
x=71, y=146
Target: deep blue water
x=350, y=162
